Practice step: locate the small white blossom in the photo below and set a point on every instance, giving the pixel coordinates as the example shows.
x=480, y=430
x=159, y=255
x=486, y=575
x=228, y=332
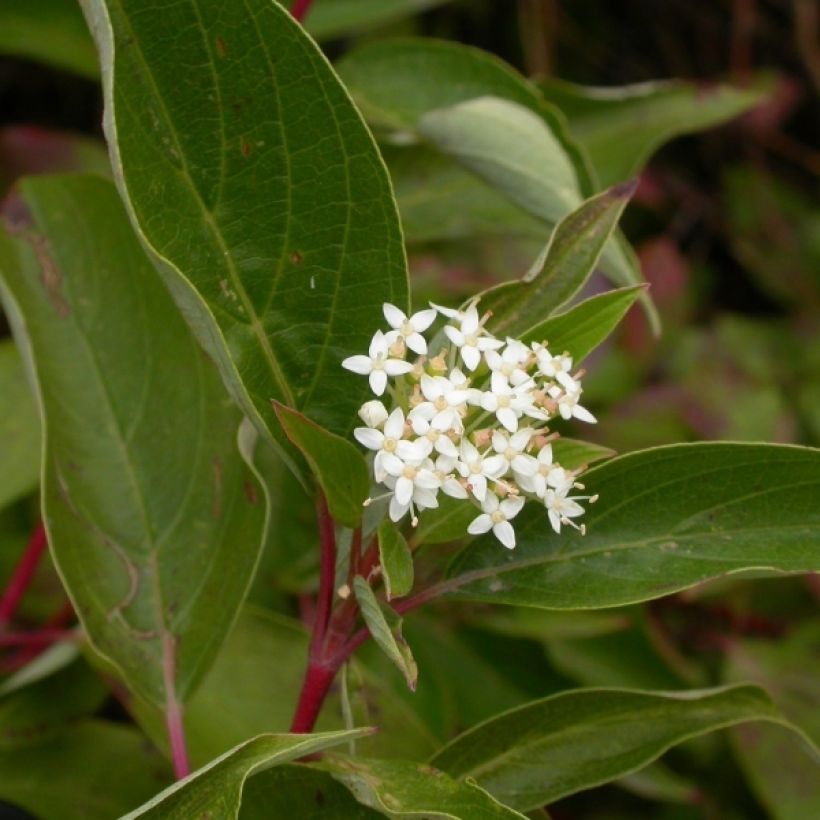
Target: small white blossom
x=471, y=338
x=562, y=507
x=567, y=401
x=546, y=473
x=409, y=329
x=389, y=442
x=477, y=470
x=443, y=401
x=496, y=515
x=434, y=437
x=376, y=364
x=553, y=367
x=415, y=484
x=511, y=452
x=510, y=403
x=373, y=413
x=510, y=361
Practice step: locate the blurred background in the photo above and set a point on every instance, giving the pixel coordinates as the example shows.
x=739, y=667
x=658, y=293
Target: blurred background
x=726, y=224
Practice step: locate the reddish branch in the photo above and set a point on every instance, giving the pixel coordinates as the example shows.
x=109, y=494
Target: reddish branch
x=23, y=574
x=300, y=9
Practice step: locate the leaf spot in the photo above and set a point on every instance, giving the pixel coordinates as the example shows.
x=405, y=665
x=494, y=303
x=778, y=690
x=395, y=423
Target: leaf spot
x=221, y=49
x=250, y=492
x=244, y=147
x=296, y=257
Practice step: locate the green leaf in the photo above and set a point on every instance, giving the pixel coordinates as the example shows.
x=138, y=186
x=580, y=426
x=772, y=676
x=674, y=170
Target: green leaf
x=19, y=429
x=253, y=687
x=402, y=789
x=620, y=128
x=778, y=769
x=328, y=19
x=576, y=740
x=152, y=516
x=667, y=519
x=51, y=31
x=91, y=771
x=583, y=327
x=215, y=790
x=514, y=150
x=396, y=81
x=337, y=465
x=291, y=239
x=396, y=561
x=567, y=262
x=31, y=710
x=385, y=628
x=572, y=454
x=300, y=792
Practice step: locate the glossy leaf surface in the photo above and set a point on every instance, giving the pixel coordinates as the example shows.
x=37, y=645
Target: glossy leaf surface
x=152, y=515
x=576, y=740
x=667, y=519
x=258, y=191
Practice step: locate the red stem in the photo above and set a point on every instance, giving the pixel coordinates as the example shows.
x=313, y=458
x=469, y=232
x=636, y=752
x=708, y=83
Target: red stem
x=173, y=709
x=327, y=575
x=38, y=638
x=300, y=9
x=318, y=679
x=23, y=574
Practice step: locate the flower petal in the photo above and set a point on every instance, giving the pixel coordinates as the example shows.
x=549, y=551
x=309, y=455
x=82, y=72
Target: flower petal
x=512, y=505
x=506, y=415
x=505, y=533
x=358, y=364
x=397, y=510
x=417, y=343
x=470, y=356
x=395, y=317
x=479, y=525
x=396, y=367
x=372, y=439
x=394, y=426
x=423, y=319
x=378, y=381
x=404, y=489
x=392, y=465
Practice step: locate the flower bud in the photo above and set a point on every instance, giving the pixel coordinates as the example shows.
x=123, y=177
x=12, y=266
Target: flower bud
x=373, y=413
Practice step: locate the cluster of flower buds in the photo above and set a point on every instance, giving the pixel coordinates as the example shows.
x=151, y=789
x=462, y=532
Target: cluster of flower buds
x=481, y=437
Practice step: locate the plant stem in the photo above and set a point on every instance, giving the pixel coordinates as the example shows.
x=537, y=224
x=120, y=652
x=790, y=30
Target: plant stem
x=23, y=574
x=327, y=575
x=300, y=9
x=38, y=638
x=173, y=709
x=315, y=687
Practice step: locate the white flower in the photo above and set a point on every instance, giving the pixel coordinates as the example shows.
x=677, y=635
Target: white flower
x=450, y=485
x=562, y=508
x=444, y=400
x=434, y=436
x=553, y=367
x=477, y=470
x=567, y=400
x=376, y=364
x=546, y=473
x=389, y=442
x=496, y=516
x=409, y=329
x=373, y=413
x=511, y=454
x=471, y=338
x=510, y=403
x=415, y=484
x=509, y=361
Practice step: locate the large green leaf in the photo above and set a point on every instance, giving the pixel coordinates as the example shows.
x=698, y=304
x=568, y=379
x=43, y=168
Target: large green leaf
x=154, y=521
x=582, y=328
x=93, y=770
x=216, y=789
x=401, y=789
x=19, y=429
x=337, y=18
x=566, y=743
x=621, y=127
x=778, y=769
x=337, y=465
x=667, y=519
x=259, y=192
x=395, y=82
x=52, y=31
x=568, y=261
x=396, y=560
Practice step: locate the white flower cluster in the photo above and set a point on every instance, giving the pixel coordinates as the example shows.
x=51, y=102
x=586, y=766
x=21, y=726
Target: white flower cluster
x=481, y=438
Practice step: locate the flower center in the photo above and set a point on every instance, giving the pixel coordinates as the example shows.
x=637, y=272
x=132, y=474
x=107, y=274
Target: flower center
x=510, y=453
x=503, y=401
x=476, y=467
x=440, y=403
x=498, y=517
x=433, y=435
x=378, y=363
x=409, y=472
x=407, y=328
x=390, y=445
x=471, y=341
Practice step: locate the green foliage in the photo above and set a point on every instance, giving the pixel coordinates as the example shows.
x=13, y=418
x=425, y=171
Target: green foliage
x=150, y=522
x=667, y=519
x=19, y=429
x=278, y=289
x=396, y=561
x=554, y=747
x=216, y=789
